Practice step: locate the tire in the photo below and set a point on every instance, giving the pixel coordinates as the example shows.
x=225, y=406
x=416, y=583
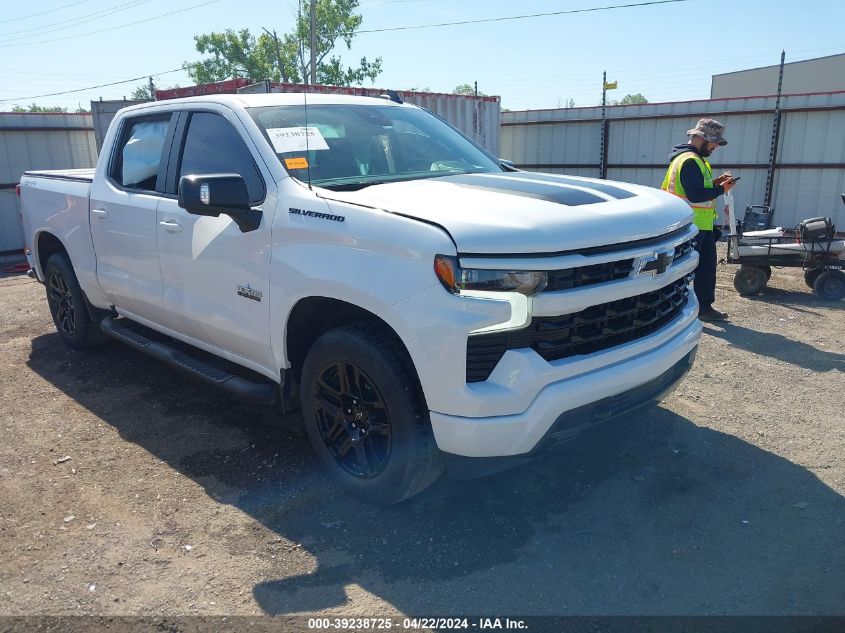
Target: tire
x=830, y=285
x=811, y=275
x=750, y=280
x=68, y=305
x=371, y=431
x=768, y=271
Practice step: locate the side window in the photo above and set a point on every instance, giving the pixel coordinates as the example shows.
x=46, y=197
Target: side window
x=138, y=156
x=213, y=146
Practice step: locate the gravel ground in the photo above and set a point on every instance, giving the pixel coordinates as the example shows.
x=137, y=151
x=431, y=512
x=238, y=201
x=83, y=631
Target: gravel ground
x=127, y=488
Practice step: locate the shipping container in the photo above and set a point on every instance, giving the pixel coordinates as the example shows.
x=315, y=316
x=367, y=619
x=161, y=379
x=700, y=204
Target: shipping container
x=476, y=116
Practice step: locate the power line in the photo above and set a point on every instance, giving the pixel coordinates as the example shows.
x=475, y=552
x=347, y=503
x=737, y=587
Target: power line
x=113, y=83
x=112, y=28
x=66, y=24
x=32, y=15
x=520, y=17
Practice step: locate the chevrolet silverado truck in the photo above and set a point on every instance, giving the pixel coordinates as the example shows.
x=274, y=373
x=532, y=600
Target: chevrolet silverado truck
x=421, y=301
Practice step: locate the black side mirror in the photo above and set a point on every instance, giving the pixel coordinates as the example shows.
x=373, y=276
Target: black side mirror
x=213, y=194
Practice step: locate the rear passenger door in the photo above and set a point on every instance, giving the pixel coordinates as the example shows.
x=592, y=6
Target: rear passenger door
x=123, y=215
x=215, y=277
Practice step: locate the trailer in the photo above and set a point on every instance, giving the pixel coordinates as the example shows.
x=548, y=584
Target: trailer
x=811, y=245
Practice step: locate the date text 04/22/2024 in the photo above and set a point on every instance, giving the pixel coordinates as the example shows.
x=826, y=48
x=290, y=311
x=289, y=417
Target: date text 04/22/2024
x=479, y=624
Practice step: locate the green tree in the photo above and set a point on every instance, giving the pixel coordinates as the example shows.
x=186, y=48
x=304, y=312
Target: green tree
x=141, y=93
x=467, y=89
x=37, y=108
x=287, y=58
x=633, y=99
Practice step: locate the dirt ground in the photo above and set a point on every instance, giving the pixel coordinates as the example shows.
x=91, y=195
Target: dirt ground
x=127, y=488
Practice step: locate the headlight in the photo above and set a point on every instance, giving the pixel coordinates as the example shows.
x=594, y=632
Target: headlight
x=455, y=279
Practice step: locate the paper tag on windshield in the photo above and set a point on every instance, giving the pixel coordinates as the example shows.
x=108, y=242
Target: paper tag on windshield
x=293, y=139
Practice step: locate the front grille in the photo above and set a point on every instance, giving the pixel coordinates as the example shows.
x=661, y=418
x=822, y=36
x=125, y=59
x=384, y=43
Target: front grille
x=684, y=249
x=588, y=275
x=581, y=276
x=591, y=330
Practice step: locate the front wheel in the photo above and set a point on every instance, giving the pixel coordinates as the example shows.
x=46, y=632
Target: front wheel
x=365, y=414
x=830, y=285
x=68, y=306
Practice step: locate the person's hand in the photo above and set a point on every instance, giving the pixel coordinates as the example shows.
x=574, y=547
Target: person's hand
x=721, y=179
x=727, y=184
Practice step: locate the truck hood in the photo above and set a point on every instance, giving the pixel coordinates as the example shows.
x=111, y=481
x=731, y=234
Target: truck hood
x=524, y=212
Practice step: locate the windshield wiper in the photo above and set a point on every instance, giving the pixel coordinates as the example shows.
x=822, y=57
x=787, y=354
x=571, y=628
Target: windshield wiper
x=354, y=186
x=361, y=184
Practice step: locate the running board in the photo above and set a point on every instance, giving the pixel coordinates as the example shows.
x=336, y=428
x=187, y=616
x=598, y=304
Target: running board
x=215, y=376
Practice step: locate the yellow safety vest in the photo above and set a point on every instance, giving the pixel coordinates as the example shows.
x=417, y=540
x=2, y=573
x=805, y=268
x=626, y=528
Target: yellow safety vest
x=703, y=213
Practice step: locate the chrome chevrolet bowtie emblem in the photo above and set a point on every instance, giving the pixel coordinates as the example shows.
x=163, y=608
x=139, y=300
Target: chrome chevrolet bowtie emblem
x=656, y=263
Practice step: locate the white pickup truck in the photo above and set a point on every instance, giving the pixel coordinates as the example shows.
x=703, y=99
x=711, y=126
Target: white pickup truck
x=420, y=300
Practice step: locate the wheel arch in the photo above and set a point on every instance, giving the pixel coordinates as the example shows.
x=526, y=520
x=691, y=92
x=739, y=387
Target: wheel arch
x=46, y=244
x=313, y=316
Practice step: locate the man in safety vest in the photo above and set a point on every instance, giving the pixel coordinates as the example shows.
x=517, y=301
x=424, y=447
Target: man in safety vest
x=690, y=177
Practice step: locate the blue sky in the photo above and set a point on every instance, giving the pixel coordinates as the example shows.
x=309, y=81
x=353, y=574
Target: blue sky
x=666, y=52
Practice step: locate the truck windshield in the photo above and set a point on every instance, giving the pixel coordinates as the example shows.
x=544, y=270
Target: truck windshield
x=354, y=146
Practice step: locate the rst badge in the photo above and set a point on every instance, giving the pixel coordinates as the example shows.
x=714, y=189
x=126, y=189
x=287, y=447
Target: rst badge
x=249, y=292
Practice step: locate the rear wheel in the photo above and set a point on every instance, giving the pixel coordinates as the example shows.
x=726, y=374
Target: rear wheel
x=750, y=280
x=768, y=271
x=68, y=306
x=365, y=414
x=830, y=285
x=811, y=275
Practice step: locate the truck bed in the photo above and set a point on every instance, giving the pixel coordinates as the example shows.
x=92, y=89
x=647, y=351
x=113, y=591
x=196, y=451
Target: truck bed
x=79, y=175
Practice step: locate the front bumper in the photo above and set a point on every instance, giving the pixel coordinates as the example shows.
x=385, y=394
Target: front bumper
x=573, y=423
x=570, y=405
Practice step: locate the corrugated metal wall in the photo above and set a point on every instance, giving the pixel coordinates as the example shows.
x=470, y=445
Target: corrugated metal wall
x=810, y=168
x=37, y=141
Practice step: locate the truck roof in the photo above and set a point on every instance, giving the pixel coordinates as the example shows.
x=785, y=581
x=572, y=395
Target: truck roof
x=258, y=100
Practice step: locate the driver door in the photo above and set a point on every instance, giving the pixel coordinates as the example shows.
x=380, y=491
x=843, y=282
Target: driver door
x=215, y=278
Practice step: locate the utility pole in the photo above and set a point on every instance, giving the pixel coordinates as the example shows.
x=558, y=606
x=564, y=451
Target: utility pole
x=605, y=126
x=152, y=90
x=476, y=88
x=773, y=152
x=313, y=4
x=602, y=166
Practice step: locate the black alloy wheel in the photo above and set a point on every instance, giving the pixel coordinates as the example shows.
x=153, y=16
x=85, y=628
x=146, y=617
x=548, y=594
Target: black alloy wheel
x=73, y=317
x=353, y=420
x=366, y=416
x=61, y=303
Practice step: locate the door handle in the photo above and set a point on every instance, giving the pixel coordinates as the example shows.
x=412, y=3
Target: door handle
x=173, y=227
x=100, y=213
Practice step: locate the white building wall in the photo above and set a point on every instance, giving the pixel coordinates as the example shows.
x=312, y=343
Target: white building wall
x=823, y=74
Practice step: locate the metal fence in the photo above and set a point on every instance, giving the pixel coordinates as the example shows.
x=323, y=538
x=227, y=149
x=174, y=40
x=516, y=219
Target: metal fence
x=808, y=173
x=37, y=141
